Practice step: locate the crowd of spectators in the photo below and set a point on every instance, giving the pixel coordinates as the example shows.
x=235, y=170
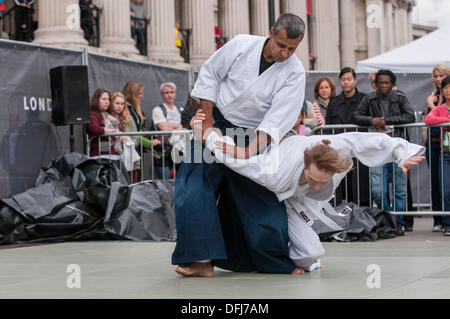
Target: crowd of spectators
x=378, y=111
x=122, y=112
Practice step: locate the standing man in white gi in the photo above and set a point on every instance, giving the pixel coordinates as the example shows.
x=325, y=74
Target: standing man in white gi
x=251, y=83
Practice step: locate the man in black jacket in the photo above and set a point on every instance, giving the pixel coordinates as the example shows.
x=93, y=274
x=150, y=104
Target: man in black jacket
x=340, y=111
x=342, y=107
x=23, y=17
x=387, y=106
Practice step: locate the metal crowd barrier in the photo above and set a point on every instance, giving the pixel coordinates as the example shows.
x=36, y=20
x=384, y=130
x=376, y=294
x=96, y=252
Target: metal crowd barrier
x=420, y=175
x=147, y=156
x=414, y=132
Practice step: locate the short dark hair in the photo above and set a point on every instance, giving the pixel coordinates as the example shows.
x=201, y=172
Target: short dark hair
x=293, y=24
x=445, y=82
x=347, y=70
x=388, y=73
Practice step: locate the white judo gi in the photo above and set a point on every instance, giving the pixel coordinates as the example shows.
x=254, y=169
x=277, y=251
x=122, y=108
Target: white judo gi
x=268, y=102
x=303, y=204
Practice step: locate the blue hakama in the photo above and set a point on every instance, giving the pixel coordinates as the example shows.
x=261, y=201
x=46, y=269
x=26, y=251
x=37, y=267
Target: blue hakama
x=227, y=218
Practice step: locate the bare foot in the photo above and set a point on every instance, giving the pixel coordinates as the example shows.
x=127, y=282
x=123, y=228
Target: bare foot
x=321, y=267
x=196, y=270
x=298, y=271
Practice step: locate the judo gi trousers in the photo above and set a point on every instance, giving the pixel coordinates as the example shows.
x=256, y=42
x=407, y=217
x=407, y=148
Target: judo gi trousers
x=245, y=230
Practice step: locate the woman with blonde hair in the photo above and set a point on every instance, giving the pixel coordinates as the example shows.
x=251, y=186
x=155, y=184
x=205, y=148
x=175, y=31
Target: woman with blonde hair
x=134, y=93
x=433, y=142
x=115, y=118
x=440, y=72
x=134, y=120
x=324, y=91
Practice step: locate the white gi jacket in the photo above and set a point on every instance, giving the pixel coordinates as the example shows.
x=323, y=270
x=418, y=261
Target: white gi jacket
x=371, y=149
x=269, y=103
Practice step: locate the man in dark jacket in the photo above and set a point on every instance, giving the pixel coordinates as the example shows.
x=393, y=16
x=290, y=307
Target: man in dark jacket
x=387, y=106
x=23, y=17
x=342, y=107
x=340, y=111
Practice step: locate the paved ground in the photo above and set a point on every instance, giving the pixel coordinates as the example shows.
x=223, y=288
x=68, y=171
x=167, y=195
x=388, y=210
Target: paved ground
x=414, y=266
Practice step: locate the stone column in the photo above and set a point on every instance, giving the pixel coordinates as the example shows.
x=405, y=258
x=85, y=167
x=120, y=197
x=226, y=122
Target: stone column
x=326, y=35
x=259, y=17
x=409, y=25
x=161, y=36
x=375, y=25
x=277, y=4
x=400, y=26
x=396, y=24
x=199, y=16
x=115, y=27
x=360, y=30
x=298, y=7
x=347, y=22
x=404, y=22
x=59, y=24
x=388, y=27
x=234, y=18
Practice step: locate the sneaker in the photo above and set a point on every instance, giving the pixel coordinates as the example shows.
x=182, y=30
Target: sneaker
x=399, y=231
x=447, y=232
x=408, y=228
x=437, y=228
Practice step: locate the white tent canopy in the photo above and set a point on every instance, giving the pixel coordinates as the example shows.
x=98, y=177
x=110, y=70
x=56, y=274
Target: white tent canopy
x=420, y=55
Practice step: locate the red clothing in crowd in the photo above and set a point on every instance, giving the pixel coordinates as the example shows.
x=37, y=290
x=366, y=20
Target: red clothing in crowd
x=96, y=128
x=439, y=115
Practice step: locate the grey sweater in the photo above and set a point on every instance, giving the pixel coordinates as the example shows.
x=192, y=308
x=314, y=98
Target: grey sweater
x=137, y=10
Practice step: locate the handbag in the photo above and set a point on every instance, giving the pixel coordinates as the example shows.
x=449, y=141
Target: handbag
x=129, y=155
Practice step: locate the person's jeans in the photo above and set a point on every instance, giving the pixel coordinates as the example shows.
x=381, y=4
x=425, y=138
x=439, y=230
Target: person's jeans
x=139, y=33
x=433, y=154
x=162, y=172
x=379, y=178
x=445, y=174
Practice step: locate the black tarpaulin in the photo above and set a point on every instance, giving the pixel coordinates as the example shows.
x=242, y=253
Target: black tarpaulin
x=361, y=224
x=80, y=198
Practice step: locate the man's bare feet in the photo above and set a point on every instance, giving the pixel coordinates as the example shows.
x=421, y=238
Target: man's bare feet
x=298, y=271
x=196, y=270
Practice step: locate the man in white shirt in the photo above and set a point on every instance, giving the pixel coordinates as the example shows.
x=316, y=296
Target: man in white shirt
x=254, y=83
x=167, y=117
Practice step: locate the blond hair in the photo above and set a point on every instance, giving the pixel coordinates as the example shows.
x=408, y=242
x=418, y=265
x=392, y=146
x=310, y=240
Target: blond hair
x=326, y=158
x=444, y=69
x=125, y=116
x=131, y=92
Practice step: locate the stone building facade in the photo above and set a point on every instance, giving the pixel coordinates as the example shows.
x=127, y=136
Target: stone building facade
x=339, y=32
